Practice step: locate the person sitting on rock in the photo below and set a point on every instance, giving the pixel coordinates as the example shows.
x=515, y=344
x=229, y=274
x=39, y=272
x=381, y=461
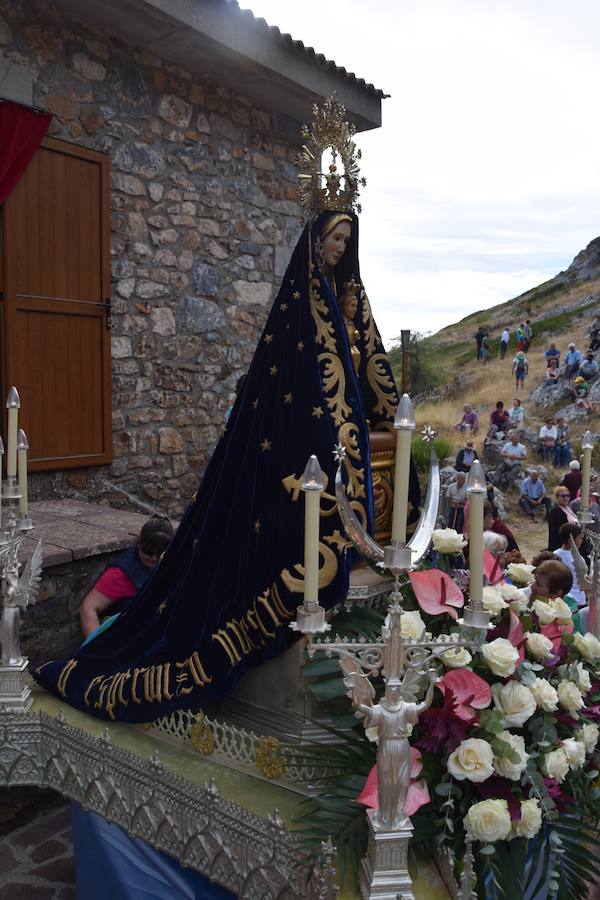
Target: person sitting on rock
x=465, y=457
x=124, y=578
x=513, y=454
x=594, y=333
x=562, y=448
x=469, y=421
x=493, y=523
x=495, y=500
x=588, y=367
x=572, y=361
x=580, y=393
x=533, y=495
x=553, y=371
x=456, y=497
x=548, y=436
x=573, y=478
x=516, y=415
x=498, y=421
x=552, y=353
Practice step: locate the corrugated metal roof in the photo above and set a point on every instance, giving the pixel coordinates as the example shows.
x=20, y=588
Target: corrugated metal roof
x=300, y=47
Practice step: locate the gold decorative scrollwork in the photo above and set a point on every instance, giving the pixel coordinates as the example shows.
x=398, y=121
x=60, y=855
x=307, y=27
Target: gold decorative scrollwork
x=348, y=437
x=327, y=571
x=371, y=337
x=382, y=384
x=334, y=380
x=268, y=758
x=325, y=330
x=202, y=736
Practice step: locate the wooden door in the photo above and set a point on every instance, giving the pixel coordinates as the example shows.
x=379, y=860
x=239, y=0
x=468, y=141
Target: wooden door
x=55, y=319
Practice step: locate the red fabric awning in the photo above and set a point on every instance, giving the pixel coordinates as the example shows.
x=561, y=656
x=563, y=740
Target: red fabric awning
x=22, y=130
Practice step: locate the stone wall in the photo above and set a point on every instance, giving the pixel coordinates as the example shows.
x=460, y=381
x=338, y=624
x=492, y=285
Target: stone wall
x=203, y=218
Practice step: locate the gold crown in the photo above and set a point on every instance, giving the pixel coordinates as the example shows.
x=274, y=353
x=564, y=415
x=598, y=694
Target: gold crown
x=330, y=129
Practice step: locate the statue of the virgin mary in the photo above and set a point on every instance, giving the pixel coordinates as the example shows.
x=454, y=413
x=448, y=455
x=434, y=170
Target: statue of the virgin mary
x=223, y=596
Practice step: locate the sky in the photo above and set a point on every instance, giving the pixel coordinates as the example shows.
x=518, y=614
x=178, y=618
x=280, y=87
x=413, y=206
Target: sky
x=484, y=179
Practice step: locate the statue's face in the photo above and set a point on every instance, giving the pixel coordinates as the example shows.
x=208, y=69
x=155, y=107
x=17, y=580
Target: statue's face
x=394, y=695
x=336, y=242
x=350, y=307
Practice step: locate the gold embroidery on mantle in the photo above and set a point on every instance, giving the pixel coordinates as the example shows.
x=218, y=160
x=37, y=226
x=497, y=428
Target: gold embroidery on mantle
x=202, y=735
x=371, y=338
x=382, y=385
x=348, y=437
x=334, y=380
x=325, y=330
x=327, y=571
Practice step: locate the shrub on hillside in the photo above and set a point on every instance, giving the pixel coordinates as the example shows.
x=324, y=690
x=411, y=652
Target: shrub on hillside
x=420, y=452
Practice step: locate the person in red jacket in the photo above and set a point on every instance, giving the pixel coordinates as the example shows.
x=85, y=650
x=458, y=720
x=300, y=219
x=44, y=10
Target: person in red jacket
x=498, y=527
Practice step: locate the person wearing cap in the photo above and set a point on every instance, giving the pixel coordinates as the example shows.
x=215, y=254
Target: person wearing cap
x=469, y=421
x=572, y=360
x=456, y=497
x=579, y=392
x=466, y=457
x=562, y=448
x=533, y=495
x=125, y=577
x=548, y=435
x=588, y=367
x=520, y=369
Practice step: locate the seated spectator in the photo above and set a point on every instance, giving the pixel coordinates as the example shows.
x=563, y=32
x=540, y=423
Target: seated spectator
x=533, y=495
x=469, y=421
x=498, y=421
x=494, y=498
x=552, y=580
x=497, y=545
x=541, y=557
x=594, y=333
x=593, y=509
x=513, y=454
x=456, y=497
x=493, y=523
x=466, y=457
x=572, y=360
x=565, y=554
x=560, y=513
x=552, y=353
x=553, y=371
x=562, y=448
x=588, y=367
x=580, y=393
x=573, y=478
x=126, y=576
x=516, y=415
x=548, y=436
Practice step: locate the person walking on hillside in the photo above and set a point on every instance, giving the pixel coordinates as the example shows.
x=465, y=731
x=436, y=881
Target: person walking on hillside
x=479, y=335
x=572, y=360
x=504, y=339
x=528, y=332
x=520, y=369
x=485, y=349
x=520, y=337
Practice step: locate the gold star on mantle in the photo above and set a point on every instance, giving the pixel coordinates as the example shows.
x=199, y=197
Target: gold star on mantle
x=268, y=338
x=300, y=346
x=273, y=370
x=287, y=398
x=296, y=295
x=162, y=607
x=283, y=307
x=257, y=525
x=317, y=412
x=265, y=445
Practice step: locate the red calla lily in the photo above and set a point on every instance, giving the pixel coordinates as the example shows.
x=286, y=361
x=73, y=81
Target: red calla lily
x=436, y=592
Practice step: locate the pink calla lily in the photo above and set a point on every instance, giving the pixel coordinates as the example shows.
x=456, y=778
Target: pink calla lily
x=418, y=792
x=554, y=631
x=516, y=635
x=491, y=567
x=436, y=592
x=470, y=692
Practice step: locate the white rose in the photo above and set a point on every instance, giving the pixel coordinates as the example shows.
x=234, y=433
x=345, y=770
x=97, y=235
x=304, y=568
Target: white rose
x=562, y=611
x=575, y=752
x=501, y=657
x=531, y=820
x=539, y=645
x=412, y=625
x=447, y=540
x=488, y=821
x=520, y=573
x=544, y=612
x=555, y=764
x=456, y=658
x=492, y=601
x=473, y=760
x=544, y=694
x=570, y=697
x=514, y=596
x=515, y=702
x=588, y=645
x=504, y=766
x=588, y=735
x=580, y=675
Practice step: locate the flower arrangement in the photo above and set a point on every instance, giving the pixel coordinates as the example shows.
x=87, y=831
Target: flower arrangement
x=508, y=753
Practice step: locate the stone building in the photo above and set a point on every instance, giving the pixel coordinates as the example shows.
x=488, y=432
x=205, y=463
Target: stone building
x=168, y=184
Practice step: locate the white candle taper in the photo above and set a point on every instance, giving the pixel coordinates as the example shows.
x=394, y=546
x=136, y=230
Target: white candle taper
x=404, y=424
x=22, y=448
x=312, y=485
x=587, y=446
x=476, y=490
x=12, y=404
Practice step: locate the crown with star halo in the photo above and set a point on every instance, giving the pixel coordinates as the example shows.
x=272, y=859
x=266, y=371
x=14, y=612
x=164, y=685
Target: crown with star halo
x=319, y=191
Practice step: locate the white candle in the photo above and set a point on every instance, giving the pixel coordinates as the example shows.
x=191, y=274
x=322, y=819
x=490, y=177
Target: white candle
x=312, y=485
x=22, y=448
x=476, y=490
x=404, y=424
x=587, y=446
x=12, y=404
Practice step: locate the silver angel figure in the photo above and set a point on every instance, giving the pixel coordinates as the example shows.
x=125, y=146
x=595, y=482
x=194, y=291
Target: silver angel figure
x=17, y=592
x=392, y=717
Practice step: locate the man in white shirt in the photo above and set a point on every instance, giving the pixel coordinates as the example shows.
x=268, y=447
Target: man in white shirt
x=548, y=436
x=513, y=454
x=504, y=340
x=456, y=497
